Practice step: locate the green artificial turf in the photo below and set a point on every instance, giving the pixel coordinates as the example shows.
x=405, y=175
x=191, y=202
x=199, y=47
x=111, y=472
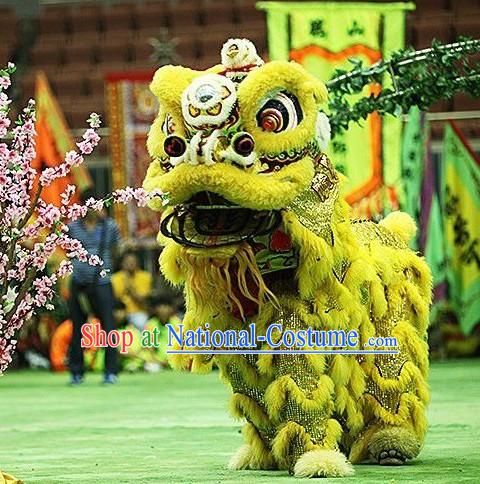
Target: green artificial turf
x=172, y=427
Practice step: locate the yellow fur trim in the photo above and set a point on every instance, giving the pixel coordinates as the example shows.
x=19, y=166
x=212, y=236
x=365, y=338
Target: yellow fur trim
x=401, y=224
x=316, y=257
x=323, y=463
x=333, y=433
x=317, y=362
x=209, y=280
x=409, y=409
x=168, y=84
x=242, y=187
x=241, y=459
x=411, y=343
x=358, y=451
x=408, y=374
x=242, y=406
x=254, y=455
x=201, y=365
x=262, y=458
x=282, y=388
x=341, y=369
x=289, y=434
x=170, y=263
x=265, y=363
x=357, y=381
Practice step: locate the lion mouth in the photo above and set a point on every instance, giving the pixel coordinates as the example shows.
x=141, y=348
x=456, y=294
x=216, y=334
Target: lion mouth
x=210, y=220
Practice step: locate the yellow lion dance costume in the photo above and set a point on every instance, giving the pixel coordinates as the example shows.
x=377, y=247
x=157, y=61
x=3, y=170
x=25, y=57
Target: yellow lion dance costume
x=256, y=232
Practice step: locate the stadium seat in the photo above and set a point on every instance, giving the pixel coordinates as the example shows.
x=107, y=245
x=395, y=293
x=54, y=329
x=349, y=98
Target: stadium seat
x=78, y=109
x=115, y=49
x=186, y=48
x=68, y=83
x=427, y=7
x=431, y=27
x=83, y=53
x=27, y=84
x=247, y=13
x=53, y=38
x=118, y=17
x=151, y=15
x=5, y=54
x=184, y=18
x=217, y=13
x=441, y=106
x=204, y=62
x=54, y=20
x=469, y=127
x=95, y=83
x=465, y=102
x=466, y=7
x=46, y=55
x=211, y=44
x=86, y=18
x=467, y=25
x=142, y=50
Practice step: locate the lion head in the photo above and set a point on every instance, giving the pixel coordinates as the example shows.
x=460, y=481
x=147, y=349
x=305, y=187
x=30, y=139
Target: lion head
x=235, y=145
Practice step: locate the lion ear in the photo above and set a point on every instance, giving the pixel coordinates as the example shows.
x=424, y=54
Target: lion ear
x=169, y=82
x=318, y=89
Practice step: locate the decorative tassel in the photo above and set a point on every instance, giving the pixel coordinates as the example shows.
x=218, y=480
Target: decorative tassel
x=237, y=280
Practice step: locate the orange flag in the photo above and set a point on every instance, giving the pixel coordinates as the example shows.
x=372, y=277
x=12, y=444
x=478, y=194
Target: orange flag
x=53, y=141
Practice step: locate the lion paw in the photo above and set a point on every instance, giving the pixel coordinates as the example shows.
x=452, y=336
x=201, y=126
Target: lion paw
x=393, y=446
x=391, y=458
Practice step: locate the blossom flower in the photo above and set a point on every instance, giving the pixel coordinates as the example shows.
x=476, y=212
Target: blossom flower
x=31, y=230
x=94, y=121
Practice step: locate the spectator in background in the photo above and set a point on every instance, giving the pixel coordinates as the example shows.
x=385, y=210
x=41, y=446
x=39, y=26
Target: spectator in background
x=132, y=286
x=151, y=357
x=164, y=310
x=89, y=292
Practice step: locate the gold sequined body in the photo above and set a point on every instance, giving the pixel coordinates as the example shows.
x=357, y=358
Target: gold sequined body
x=351, y=275
x=301, y=411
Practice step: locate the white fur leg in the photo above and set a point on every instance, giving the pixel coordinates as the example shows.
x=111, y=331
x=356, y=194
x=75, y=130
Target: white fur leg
x=241, y=459
x=323, y=463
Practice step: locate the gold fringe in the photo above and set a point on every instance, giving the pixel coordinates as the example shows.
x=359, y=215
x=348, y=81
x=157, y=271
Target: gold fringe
x=242, y=406
x=210, y=282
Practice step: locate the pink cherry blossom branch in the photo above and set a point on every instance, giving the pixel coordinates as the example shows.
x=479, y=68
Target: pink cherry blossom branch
x=27, y=245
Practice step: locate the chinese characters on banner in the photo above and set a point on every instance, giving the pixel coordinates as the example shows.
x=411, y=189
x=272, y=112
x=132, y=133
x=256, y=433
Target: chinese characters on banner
x=461, y=209
x=324, y=37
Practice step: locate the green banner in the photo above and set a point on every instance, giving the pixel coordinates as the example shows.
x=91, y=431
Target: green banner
x=413, y=155
x=434, y=249
x=324, y=37
x=461, y=208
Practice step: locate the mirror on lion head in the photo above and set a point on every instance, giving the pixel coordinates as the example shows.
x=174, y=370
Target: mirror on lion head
x=236, y=144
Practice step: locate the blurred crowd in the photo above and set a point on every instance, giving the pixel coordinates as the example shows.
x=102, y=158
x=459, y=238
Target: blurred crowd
x=142, y=301
x=120, y=295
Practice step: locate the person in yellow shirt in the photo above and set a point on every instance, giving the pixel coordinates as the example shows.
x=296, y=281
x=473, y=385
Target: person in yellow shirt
x=132, y=286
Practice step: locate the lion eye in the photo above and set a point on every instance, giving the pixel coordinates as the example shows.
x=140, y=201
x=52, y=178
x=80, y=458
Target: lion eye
x=279, y=113
x=168, y=126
